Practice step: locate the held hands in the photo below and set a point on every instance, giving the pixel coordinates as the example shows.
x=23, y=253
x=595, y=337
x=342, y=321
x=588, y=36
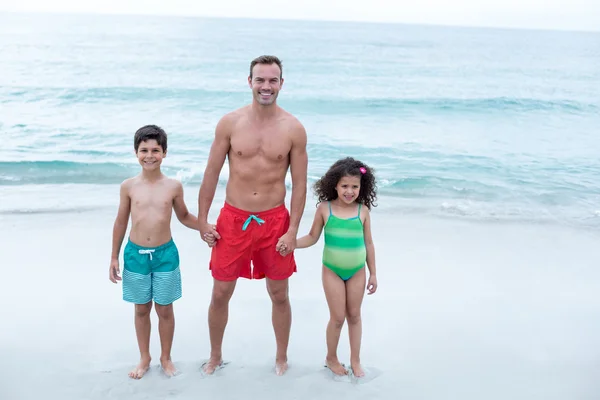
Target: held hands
x=113, y=271
x=209, y=234
x=286, y=244
x=372, y=284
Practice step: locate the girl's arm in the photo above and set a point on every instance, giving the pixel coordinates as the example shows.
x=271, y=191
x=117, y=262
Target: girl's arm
x=315, y=231
x=372, y=284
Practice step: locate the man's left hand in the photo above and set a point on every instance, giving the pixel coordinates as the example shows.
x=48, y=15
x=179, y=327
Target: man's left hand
x=286, y=244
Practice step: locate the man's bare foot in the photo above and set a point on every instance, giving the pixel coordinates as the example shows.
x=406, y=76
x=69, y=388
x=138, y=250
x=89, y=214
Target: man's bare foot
x=140, y=369
x=335, y=366
x=168, y=367
x=357, y=370
x=280, y=367
x=211, y=365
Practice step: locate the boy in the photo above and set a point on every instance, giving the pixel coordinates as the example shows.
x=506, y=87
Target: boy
x=151, y=260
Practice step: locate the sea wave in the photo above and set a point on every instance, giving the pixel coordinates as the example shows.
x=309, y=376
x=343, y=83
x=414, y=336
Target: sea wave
x=299, y=102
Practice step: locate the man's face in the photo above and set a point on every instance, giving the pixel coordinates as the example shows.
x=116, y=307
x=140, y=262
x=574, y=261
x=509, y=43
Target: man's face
x=266, y=82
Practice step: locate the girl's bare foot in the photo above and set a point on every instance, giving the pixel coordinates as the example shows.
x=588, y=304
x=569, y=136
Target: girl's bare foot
x=357, y=369
x=280, y=367
x=168, y=367
x=210, y=367
x=334, y=365
x=140, y=369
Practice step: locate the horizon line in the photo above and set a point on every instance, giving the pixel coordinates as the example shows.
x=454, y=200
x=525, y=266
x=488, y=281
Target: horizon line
x=374, y=22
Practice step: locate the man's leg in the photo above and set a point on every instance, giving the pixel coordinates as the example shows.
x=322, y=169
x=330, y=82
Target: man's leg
x=142, y=331
x=282, y=320
x=166, y=329
x=218, y=314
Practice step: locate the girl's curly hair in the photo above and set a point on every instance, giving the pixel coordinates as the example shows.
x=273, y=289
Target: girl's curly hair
x=325, y=187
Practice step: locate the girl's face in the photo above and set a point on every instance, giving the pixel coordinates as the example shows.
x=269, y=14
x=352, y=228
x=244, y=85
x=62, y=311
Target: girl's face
x=348, y=188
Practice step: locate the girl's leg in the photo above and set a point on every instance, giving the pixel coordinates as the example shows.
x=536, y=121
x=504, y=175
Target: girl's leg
x=142, y=331
x=355, y=291
x=335, y=293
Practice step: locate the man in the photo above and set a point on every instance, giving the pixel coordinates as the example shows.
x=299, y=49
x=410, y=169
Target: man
x=255, y=235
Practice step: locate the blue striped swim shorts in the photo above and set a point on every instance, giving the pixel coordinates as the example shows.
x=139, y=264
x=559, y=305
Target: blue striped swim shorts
x=151, y=273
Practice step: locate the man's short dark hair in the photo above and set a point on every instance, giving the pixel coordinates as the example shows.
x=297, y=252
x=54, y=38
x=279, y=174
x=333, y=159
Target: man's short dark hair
x=268, y=60
x=150, y=132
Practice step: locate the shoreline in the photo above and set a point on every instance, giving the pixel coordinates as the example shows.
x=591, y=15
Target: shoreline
x=86, y=199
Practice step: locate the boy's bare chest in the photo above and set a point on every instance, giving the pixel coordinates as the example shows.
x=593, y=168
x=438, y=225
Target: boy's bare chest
x=156, y=199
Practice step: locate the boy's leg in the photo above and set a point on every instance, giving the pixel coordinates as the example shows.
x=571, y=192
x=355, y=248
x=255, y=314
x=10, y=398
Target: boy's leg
x=166, y=330
x=142, y=331
x=335, y=293
x=166, y=289
x=137, y=289
x=355, y=292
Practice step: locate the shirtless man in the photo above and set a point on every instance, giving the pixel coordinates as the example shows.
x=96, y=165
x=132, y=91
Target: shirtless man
x=151, y=270
x=261, y=141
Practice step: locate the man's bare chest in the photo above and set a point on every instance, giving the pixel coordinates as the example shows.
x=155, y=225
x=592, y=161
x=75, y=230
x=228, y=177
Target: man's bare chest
x=269, y=145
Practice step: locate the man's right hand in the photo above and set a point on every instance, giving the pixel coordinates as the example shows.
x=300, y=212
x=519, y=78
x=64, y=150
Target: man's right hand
x=208, y=233
x=113, y=271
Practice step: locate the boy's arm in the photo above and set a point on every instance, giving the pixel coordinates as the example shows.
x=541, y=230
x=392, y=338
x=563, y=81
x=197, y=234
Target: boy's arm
x=372, y=284
x=315, y=231
x=181, y=211
x=214, y=165
x=119, y=229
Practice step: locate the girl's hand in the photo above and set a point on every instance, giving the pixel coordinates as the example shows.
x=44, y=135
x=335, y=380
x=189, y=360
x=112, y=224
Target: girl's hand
x=372, y=285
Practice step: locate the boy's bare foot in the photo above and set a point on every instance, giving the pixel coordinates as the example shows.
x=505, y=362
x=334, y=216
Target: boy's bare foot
x=335, y=366
x=140, y=369
x=280, y=367
x=211, y=365
x=357, y=370
x=168, y=367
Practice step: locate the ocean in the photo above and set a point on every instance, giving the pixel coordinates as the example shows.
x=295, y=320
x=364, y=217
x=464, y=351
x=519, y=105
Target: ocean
x=479, y=124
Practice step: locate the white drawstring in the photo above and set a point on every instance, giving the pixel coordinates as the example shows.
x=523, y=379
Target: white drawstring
x=147, y=251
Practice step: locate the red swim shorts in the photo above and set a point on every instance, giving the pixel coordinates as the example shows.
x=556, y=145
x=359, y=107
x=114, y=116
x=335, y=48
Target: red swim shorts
x=251, y=237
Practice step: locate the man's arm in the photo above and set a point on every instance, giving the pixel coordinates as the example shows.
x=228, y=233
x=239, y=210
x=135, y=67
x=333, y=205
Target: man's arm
x=216, y=159
x=298, y=169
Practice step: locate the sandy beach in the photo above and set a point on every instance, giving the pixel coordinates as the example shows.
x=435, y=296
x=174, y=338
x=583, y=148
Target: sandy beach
x=463, y=311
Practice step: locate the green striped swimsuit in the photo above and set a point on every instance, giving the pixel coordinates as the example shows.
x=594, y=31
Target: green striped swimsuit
x=344, y=252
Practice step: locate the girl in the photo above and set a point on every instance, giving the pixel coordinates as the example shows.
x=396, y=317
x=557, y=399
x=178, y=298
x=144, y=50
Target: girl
x=345, y=196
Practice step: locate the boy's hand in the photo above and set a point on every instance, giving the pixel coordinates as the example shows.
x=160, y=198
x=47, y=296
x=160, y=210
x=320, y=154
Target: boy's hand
x=113, y=272
x=372, y=285
x=209, y=234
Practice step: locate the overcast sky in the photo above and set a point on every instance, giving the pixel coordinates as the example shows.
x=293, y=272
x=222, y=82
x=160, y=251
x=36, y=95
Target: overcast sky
x=545, y=14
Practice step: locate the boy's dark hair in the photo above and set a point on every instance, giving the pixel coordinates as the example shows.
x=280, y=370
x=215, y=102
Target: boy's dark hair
x=266, y=60
x=150, y=132
x=325, y=187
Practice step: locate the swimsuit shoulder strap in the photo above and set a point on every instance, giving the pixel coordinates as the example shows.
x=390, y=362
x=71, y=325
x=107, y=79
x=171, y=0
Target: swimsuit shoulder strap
x=329, y=202
x=359, y=206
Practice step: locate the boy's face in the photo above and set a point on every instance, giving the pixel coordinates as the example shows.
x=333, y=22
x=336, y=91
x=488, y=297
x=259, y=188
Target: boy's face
x=150, y=155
